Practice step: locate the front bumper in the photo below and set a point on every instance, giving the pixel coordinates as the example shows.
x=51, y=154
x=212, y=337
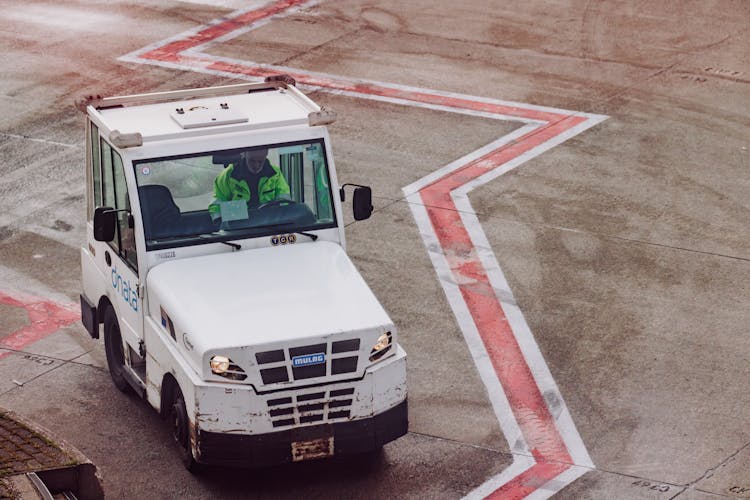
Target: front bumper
x=238, y=409
x=275, y=448
x=233, y=425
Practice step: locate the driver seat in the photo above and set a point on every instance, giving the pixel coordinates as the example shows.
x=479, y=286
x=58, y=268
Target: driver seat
x=161, y=215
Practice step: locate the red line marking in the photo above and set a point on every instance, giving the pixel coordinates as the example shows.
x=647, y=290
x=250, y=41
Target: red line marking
x=171, y=51
x=439, y=190
x=392, y=92
x=528, y=481
x=527, y=402
x=174, y=55
x=525, y=398
x=46, y=317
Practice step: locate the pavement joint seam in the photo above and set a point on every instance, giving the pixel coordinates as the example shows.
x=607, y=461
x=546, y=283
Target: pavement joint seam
x=511, y=453
x=44, y=141
x=683, y=487
x=546, y=53
x=567, y=229
x=33, y=378
x=710, y=472
x=63, y=361
x=377, y=210
x=712, y=493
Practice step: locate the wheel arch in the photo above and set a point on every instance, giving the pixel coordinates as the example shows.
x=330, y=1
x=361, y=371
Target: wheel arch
x=101, y=308
x=169, y=388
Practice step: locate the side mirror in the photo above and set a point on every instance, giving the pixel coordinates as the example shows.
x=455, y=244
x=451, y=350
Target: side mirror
x=362, y=203
x=105, y=221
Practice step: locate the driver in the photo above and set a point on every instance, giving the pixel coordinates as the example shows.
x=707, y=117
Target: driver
x=253, y=179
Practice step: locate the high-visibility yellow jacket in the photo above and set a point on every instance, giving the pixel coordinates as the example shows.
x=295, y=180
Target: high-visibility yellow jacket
x=228, y=187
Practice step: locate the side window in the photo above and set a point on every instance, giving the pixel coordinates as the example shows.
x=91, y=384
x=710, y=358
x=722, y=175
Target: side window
x=291, y=167
x=115, y=195
x=93, y=170
x=316, y=182
x=323, y=192
x=304, y=168
x=108, y=185
x=96, y=170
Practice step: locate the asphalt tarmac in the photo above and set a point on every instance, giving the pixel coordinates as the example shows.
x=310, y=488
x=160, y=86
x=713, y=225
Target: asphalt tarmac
x=619, y=250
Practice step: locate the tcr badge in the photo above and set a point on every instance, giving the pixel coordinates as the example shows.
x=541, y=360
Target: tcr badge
x=283, y=239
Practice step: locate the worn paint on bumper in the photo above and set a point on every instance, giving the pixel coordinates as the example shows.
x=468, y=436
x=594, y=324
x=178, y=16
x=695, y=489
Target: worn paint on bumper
x=228, y=418
x=357, y=436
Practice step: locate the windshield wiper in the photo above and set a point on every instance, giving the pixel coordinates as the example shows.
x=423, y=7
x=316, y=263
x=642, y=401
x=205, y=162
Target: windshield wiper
x=312, y=236
x=236, y=246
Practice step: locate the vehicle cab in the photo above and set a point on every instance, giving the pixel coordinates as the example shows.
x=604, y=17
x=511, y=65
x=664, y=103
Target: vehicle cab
x=215, y=261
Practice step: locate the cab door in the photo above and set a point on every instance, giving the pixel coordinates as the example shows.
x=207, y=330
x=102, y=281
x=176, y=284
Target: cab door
x=119, y=259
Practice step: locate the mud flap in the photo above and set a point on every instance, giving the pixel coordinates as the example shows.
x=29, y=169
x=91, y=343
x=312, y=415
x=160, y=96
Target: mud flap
x=88, y=317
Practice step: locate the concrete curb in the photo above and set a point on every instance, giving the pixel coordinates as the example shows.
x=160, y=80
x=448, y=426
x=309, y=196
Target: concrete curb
x=27, y=448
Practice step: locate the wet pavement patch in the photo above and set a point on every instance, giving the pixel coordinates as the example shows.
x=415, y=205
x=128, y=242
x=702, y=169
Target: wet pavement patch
x=14, y=318
x=36, y=256
x=61, y=225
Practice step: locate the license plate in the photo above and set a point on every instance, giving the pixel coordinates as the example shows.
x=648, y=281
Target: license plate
x=314, y=448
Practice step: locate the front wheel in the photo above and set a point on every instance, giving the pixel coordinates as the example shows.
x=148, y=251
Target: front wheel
x=114, y=350
x=181, y=431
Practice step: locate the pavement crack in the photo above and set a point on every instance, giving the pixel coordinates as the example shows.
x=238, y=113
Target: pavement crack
x=456, y=441
x=709, y=45
x=625, y=90
x=287, y=60
x=671, y=67
x=696, y=74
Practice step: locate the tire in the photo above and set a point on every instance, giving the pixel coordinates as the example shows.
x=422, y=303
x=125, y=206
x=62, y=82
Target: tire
x=181, y=431
x=113, y=347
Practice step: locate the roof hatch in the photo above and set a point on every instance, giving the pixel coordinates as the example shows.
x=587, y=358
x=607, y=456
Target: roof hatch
x=207, y=115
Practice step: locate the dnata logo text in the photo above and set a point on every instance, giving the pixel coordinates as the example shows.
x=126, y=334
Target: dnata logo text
x=309, y=359
x=128, y=293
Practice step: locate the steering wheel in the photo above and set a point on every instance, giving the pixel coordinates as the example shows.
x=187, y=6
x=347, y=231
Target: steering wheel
x=275, y=203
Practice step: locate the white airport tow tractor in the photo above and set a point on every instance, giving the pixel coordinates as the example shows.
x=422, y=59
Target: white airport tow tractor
x=215, y=261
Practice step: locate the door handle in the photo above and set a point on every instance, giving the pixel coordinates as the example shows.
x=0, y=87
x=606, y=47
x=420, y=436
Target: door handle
x=107, y=258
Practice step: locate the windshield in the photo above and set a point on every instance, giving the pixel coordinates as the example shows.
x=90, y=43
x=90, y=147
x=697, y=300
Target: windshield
x=232, y=194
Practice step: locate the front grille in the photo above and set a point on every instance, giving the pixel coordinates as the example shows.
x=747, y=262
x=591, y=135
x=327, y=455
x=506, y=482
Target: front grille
x=308, y=361
x=318, y=406
x=344, y=365
x=274, y=375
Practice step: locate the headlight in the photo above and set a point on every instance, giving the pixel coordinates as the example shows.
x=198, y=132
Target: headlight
x=225, y=367
x=382, y=346
x=219, y=364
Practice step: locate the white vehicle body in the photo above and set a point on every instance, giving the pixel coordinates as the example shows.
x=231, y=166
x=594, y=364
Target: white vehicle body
x=249, y=325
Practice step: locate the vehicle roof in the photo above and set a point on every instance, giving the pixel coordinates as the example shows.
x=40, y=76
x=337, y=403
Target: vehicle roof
x=191, y=116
